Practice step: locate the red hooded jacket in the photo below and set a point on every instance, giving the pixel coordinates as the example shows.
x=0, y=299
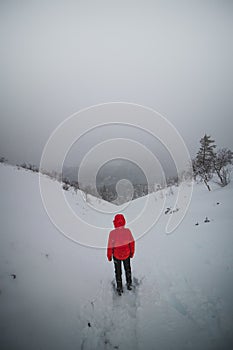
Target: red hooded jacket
x=121, y=243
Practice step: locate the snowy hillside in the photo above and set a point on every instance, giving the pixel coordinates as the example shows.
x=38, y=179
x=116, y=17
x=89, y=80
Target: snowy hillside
x=57, y=294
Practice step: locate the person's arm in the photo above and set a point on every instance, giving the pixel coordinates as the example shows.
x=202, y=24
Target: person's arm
x=131, y=244
x=110, y=247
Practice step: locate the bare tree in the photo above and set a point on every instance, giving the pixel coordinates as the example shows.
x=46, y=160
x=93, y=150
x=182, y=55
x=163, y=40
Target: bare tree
x=222, y=160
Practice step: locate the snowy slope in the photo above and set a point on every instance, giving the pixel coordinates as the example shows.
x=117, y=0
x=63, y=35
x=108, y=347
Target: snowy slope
x=62, y=297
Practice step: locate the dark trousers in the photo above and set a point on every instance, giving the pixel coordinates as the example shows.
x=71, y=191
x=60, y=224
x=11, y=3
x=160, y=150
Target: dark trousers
x=118, y=272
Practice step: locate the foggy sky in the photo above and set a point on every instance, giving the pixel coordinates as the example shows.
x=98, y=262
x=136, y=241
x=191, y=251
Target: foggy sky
x=60, y=56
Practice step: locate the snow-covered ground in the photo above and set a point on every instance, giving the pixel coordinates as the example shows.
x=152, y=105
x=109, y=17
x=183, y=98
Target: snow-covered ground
x=57, y=294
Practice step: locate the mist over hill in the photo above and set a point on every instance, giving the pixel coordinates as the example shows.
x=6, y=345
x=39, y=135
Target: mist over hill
x=113, y=172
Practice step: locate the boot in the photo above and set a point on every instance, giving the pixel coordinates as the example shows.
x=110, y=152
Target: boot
x=129, y=286
x=119, y=291
x=119, y=287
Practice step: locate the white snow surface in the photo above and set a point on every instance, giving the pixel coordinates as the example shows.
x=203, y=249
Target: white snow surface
x=62, y=296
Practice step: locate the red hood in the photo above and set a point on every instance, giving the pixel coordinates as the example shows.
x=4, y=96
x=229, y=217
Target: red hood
x=119, y=220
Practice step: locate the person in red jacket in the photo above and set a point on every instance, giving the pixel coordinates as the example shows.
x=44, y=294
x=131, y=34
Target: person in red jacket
x=121, y=247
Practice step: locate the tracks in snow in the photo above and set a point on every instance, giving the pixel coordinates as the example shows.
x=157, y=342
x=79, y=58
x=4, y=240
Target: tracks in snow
x=110, y=321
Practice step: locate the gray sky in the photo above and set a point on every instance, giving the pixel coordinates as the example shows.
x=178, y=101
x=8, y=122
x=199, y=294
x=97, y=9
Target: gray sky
x=60, y=56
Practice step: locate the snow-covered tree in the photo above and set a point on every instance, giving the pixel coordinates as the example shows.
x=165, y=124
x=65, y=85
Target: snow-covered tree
x=203, y=164
x=222, y=162
x=107, y=193
x=30, y=166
